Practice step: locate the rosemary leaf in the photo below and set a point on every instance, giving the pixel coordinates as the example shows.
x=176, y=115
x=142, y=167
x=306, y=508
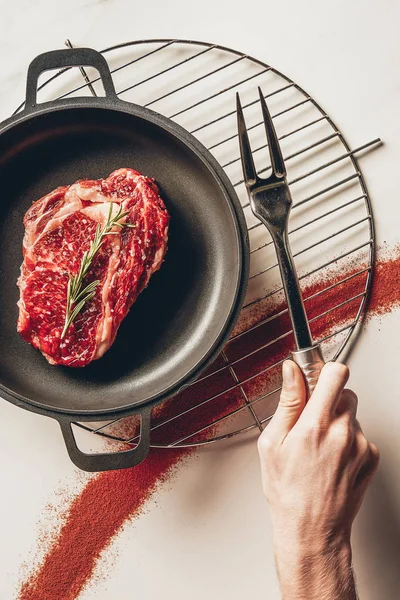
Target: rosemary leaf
x=76, y=296
x=89, y=289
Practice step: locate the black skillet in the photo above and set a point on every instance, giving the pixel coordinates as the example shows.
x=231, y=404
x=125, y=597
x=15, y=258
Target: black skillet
x=180, y=323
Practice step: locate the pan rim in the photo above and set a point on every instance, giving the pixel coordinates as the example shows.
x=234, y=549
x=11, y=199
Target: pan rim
x=226, y=187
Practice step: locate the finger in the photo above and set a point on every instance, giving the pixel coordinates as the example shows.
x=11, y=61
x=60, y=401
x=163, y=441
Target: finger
x=345, y=429
x=369, y=466
x=366, y=474
x=360, y=450
x=324, y=400
x=348, y=403
x=374, y=458
x=291, y=403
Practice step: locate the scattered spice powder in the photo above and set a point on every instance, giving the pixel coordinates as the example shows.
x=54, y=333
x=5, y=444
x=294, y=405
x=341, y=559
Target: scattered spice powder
x=94, y=517
x=97, y=514
x=386, y=287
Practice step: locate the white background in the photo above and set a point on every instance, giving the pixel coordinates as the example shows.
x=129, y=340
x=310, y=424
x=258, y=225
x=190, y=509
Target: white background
x=208, y=535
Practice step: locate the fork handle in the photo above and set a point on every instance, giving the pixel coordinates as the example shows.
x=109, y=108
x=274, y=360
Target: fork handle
x=298, y=316
x=310, y=361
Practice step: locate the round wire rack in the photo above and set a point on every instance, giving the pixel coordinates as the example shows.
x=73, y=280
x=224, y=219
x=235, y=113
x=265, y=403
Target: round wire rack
x=331, y=226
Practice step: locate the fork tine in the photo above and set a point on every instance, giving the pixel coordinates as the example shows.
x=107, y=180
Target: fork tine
x=249, y=170
x=277, y=162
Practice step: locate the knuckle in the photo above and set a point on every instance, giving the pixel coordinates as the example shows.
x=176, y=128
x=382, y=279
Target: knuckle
x=312, y=432
x=375, y=455
x=316, y=422
x=370, y=463
x=374, y=450
x=341, y=432
x=264, y=444
x=289, y=399
x=347, y=405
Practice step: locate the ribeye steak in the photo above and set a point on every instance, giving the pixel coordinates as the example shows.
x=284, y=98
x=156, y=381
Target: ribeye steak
x=59, y=228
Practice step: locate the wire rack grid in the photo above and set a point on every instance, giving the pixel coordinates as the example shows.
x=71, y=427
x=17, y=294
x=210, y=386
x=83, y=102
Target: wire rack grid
x=331, y=227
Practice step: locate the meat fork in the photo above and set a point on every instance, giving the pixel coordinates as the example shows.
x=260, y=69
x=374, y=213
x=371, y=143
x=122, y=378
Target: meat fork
x=271, y=202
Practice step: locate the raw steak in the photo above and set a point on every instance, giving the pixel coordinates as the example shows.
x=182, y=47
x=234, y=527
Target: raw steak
x=58, y=230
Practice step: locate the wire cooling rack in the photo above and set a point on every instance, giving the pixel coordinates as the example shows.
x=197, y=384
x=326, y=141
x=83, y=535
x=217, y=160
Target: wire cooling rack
x=331, y=227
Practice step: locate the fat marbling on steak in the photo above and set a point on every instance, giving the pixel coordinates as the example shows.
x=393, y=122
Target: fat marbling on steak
x=59, y=228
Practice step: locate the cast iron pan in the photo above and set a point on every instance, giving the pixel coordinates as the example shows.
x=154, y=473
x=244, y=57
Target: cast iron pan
x=180, y=323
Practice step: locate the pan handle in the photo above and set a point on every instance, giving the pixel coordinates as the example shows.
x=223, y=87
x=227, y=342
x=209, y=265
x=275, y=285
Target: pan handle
x=58, y=59
x=108, y=461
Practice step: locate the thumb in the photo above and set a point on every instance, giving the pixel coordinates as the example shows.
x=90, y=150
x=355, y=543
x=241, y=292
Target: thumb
x=292, y=401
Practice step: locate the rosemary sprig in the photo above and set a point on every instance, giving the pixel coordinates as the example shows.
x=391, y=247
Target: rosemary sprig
x=77, y=295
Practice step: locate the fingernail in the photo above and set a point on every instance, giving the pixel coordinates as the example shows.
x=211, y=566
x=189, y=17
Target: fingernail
x=288, y=372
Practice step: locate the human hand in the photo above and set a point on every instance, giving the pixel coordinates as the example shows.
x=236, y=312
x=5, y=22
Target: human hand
x=316, y=466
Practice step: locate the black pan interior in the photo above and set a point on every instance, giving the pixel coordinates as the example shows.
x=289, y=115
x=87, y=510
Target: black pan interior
x=176, y=322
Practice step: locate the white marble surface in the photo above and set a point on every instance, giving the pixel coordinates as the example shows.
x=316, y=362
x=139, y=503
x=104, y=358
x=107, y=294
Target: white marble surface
x=216, y=543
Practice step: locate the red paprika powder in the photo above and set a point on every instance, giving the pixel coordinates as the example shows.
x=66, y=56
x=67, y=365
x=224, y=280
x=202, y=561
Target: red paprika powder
x=108, y=500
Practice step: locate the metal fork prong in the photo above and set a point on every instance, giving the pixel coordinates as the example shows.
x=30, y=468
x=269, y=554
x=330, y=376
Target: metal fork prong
x=249, y=169
x=275, y=153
